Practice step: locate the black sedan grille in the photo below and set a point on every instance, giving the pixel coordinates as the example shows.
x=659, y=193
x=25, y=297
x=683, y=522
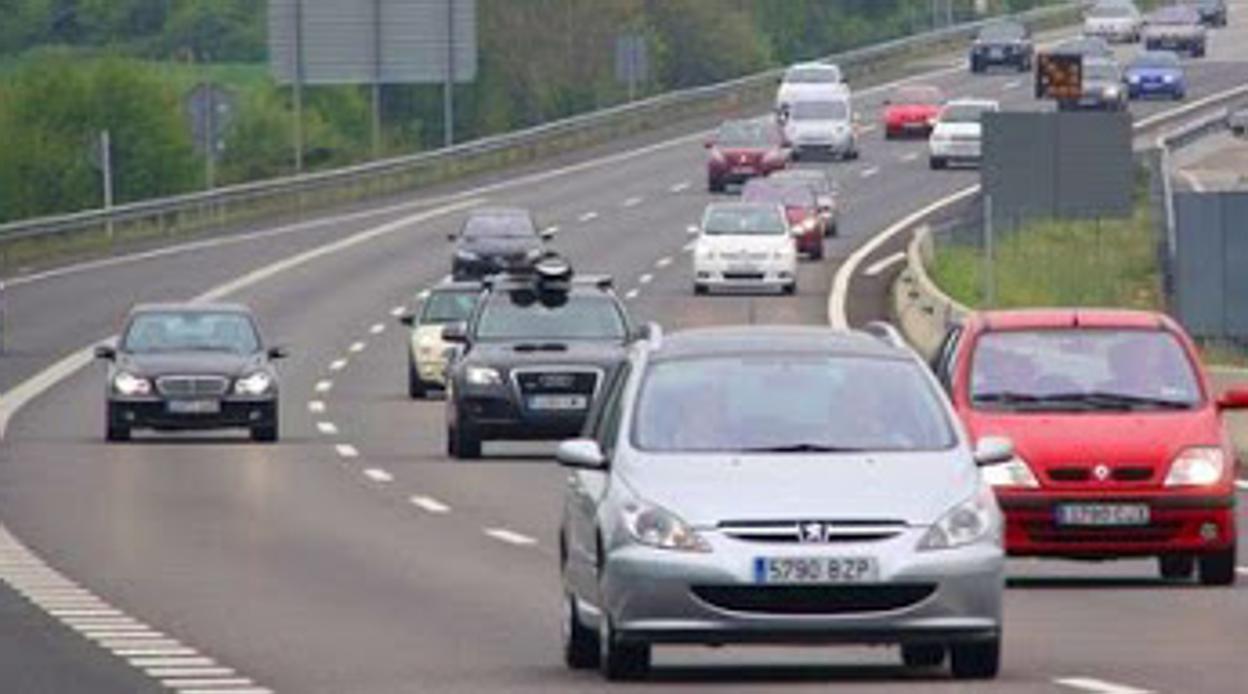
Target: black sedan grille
x=815, y=600
x=557, y=382
x=192, y=386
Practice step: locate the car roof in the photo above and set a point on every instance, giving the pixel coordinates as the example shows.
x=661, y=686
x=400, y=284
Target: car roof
x=755, y=339
x=189, y=307
x=1057, y=318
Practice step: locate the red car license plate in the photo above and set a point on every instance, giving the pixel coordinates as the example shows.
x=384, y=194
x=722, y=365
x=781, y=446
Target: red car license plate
x=1102, y=515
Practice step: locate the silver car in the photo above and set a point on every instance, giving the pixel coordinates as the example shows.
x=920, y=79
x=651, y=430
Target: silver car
x=775, y=486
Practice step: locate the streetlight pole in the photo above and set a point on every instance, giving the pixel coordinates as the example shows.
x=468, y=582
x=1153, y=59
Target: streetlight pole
x=448, y=90
x=298, y=86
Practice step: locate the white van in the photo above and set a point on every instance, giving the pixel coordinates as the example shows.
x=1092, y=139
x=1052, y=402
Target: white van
x=816, y=125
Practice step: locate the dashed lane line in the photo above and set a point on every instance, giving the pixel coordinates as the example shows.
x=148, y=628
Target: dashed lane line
x=886, y=263
x=1012, y=84
x=909, y=157
x=357, y=347
x=316, y=406
x=588, y=217
x=398, y=311
x=338, y=365
x=632, y=294
x=510, y=537
x=691, y=229
x=423, y=294
x=551, y=230
x=377, y=329
x=346, y=450
x=663, y=262
x=327, y=428
x=378, y=475
x=213, y=683
x=633, y=202
x=680, y=187
x=646, y=278
x=870, y=171
x=324, y=386
x=430, y=505
x=1242, y=570
x=1090, y=684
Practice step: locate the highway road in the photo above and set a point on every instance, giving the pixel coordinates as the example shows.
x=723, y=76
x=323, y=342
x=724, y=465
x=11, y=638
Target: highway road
x=355, y=557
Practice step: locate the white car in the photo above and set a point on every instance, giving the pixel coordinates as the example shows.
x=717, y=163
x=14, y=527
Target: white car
x=958, y=135
x=821, y=126
x=809, y=81
x=1114, y=20
x=745, y=246
x=428, y=354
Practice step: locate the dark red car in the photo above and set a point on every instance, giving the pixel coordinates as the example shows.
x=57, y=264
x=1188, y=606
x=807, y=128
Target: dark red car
x=912, y=110
x=1120, y=446
x=801, y=208
x=744, y=149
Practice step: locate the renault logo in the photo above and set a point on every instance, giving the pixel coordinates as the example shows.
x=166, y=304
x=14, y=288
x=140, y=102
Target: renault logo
x=1101, y=472
x=812, y=533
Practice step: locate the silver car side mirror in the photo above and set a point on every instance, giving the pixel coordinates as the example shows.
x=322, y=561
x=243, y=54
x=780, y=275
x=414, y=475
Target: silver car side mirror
x=581, y=453
x=993, y=450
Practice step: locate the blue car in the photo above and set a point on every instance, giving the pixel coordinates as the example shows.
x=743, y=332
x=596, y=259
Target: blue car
x=1155, y=74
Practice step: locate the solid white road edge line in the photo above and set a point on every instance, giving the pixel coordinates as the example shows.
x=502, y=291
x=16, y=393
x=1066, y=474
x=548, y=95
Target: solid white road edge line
x=886, y=263
x=510, y=537
x=1089, y=684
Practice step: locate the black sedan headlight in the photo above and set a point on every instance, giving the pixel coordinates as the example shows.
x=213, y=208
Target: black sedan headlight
x=254, y=384
x=129, y=385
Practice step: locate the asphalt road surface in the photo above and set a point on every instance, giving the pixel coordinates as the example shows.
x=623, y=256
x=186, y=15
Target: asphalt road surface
x=357, y=558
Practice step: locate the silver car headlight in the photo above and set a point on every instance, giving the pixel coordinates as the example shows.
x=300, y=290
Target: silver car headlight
x=1112, y=93
x=1197, y=467
x=483, y=376
x=130, y=385
x=467, y=255
x=968, y=522
x=1016, y=474
x=258, y=383
x=657, y=527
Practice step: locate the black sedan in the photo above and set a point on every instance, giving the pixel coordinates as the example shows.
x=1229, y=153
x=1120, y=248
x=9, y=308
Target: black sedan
x=495, y=240
x=191, y=366
x=1003, y=43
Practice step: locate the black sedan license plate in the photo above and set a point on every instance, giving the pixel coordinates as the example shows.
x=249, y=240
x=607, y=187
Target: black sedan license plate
x=1103, y=515
x=558, y=403
x=808, y=570
x=193, y=407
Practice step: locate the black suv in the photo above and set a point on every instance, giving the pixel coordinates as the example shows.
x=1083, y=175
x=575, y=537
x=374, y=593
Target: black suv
x=1212, y=12
x=536, y=352
x=495, y=240
x=1000, y=43
x=191, y=366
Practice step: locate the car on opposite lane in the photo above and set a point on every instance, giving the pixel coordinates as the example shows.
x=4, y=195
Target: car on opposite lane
x=1114, y=20
x=1213, y=13
x=536, y=352
x=778, y=485
x=494, y=240
x=809, y=80
x=801, y=208
x=1155, y=73
x=191, y=367
x=744, y=149
x=744, y=246
x=912, y=110
x=827, y=193
x=1177, y=28
x=1002, y=43
x=427, y=353
x=1121, y=449
x=958, y=135
x=1103, y=88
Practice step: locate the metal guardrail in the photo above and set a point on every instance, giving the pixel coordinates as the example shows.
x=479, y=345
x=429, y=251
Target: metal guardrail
x=99, y=230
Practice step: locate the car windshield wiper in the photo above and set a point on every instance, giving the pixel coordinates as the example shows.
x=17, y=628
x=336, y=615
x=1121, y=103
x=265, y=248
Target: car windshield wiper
x=1027, y=401
x=1120, y=400
x=804, y=448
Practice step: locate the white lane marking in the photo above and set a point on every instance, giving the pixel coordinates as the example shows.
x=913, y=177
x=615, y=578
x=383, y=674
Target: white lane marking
x=316, y=406
x=633, y=202
x=646, y=278
x=215, y=682
x=377, y=329
x=868, y=129
x=663, y=262
x=1012, y=84
x=327, y=428
x=588, y=217
x=692, y=229
x=551, y=230
x=886, y=263
x=378, y=475
x=870, y=171
x=1242, y=484
x=398, y=311
x=214, y=690
x=1089, y=684
x=171, y=661
x=357, y=347
x=324, y=386
x=422, y=295
x=338, y=365
x=430, y=504
x=163, y=672
x=632, y=294
x=151, y=652
x=680, y=187
x=510, y=537
x=346, y=450
x=66, y=614
x=121, y=636
x=910, y=156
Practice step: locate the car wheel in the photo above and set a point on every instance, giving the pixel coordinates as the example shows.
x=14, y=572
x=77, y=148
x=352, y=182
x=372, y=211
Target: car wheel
x=832, y=230
x=580, y=644
x=938, y=163
x=619, y=659
x=1218, y=569
x=466, y=443
x=1176, y=567
x=976, y=660
x=715, y=186
x=264, y=434
x=923, y=655
x=699, y=289
x=117, y=433
x=817, y=253
x=415, y=386
x=790, y=289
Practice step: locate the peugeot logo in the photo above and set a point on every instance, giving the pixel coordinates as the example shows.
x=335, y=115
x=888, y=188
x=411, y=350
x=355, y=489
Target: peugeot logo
x=812, y=533
x=1101, y=472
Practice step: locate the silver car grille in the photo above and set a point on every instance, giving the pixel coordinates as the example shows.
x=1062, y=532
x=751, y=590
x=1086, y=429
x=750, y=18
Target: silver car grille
x=742, y=255
x=812, y=531
x=192, y=386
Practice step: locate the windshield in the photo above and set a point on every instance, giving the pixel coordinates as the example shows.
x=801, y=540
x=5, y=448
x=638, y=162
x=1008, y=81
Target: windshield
x=927, y=96
x=522, y=315
x=481, y=226
x=963, y=113
x=747, y=134
x=1081, y=369
x=1111, y=12
x=749, y=220
x=1176, y=14
x=1002, y=32
x=819, y=110
x=191, y=331
x=829, y=74
x=448, y=307
x=789, y=403
x=1102, y=72
x=1156, y=60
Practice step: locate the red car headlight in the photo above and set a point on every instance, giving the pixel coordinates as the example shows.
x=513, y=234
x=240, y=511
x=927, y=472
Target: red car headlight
x=1197, y=467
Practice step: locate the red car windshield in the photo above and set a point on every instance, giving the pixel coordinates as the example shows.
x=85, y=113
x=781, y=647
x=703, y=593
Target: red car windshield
x=1082, y=370
x=747, y=136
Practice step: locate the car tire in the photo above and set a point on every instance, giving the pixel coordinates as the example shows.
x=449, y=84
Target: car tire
x=938, y=164
x=976, y=660
x=699, y=289
x=117, y=433
x=265, y=434
x=465, y=442
x=833, y=230
x=621, y=660
x=581, y=649
x=923, y=655
x=1176, y=567
x=790, y=289
x=416, y=388
x=714, y=186
x=817, y=253
x=1217, y=569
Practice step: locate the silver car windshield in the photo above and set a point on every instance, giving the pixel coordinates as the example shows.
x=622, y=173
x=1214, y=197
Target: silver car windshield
x=751, y=220
x=191, y=331
x=819, y=110
x=1101, y=72
x=789, y=403
x=808, y=75
x=522, y=315
x=1082, y=369
x=963, y=113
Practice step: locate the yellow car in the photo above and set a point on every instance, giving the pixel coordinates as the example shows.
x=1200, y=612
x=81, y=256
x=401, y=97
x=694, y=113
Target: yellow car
x=428, y=354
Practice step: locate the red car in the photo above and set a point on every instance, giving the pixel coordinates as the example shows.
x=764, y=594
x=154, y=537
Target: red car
x=801, y=207
x=1119, y=441
x=912, y=110
x=744, y=149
